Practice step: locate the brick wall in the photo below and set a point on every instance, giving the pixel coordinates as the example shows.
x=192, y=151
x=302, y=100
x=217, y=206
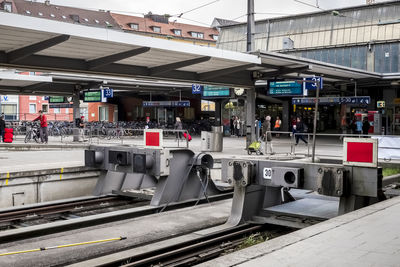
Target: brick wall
x=26, y=114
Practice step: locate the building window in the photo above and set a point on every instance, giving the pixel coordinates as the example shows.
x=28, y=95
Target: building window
x=197, y=35
x=56, y=110
x=7, y=6
x=45, y=108
x=32, y=108
x=32, y=97
x=177, y=32
x=156, y=29
x=103, y=113
x=215, y=37
x=134, y=26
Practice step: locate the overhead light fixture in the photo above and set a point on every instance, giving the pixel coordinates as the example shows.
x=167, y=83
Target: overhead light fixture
x=395, y=82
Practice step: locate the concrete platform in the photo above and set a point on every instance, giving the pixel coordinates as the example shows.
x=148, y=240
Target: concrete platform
x=139, y=232
x=366, y=237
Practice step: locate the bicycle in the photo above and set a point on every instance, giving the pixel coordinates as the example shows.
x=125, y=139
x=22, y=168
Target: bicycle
x=32, y=132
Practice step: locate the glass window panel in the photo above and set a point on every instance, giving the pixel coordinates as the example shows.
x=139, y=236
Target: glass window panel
x=386, y=58
x=381, y=33
x=394, y=55
x=339, y=56
x=346, y=36
x=339, y=37
x=331, y=56
x=32, y=108
x=378, y=58
x=346, y=57
x=324, y=55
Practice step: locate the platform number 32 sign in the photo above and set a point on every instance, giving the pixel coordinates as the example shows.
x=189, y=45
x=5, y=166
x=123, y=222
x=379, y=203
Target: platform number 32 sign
x=267, y=173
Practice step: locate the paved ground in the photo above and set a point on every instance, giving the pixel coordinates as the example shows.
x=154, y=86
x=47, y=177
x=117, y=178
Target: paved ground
x=366, y=237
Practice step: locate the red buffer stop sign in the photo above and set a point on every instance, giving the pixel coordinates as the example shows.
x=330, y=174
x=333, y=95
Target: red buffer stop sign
x=153, y=138
x=360, y=152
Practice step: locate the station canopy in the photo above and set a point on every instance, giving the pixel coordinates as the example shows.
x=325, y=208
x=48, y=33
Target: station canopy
x=74, y=54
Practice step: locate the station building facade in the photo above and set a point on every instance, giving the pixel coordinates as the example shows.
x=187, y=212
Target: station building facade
x=366, y=37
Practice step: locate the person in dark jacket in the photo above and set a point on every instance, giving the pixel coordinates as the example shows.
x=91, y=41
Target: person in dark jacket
x=232, y=125
x=365, y=126
x=299, y=129
x=2, y=128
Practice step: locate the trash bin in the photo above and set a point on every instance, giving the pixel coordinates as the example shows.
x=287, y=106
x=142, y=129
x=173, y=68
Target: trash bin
x=212, y=141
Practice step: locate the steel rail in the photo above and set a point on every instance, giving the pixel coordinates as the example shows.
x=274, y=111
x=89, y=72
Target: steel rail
x=57, y=227
x=194, y=250
x=7, y=216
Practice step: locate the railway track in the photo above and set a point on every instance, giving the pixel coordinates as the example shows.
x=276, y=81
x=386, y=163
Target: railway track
x=62, y=213
x=28, y=216
x=199, y=249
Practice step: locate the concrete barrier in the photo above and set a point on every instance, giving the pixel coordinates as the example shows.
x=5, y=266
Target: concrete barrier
x=29, y=187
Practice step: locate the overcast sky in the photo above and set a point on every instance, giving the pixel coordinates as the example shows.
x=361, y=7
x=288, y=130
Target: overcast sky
x=227, y=9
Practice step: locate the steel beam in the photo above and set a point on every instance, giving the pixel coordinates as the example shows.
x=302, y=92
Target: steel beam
x=223, y=72
x=107, y=60
x=49, y=63
x=177, y=65
x=284, y=70
x=26, y=51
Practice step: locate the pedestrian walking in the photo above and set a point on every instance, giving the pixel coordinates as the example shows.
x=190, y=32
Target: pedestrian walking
x=80, y=125
x=2, y=128
x=178, y=126
x=43, y=127
x=359, y=126
x=237, y=126
x=232, y=125
x=298, y=129
x=365, y=126
x=277, y=126
x=267, y=136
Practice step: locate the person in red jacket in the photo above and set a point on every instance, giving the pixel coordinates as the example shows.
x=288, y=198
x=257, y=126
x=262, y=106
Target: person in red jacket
x=43, y=126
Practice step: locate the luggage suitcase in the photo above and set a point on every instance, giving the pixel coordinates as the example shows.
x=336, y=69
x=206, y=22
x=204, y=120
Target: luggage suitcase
x=8, y=135
x=189, y=138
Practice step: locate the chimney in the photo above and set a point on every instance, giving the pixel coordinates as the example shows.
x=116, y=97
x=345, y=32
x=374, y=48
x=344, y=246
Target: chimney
x=47, y=2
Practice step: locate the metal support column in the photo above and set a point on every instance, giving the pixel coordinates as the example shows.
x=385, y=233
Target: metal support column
x=250, y=116
x=285, y=116
x=77, y=137
x=315, y=120
x=250, y=25
x=218, y=113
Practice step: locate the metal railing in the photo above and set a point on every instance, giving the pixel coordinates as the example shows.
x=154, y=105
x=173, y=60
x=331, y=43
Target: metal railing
x=127, y=136
x=288, y=147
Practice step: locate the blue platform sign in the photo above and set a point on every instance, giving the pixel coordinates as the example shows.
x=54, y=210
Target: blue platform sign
x=108, y=92
x=285, y=88
x=183, y=103
x=311, y=83
x=197, y=89
x=333, y=100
